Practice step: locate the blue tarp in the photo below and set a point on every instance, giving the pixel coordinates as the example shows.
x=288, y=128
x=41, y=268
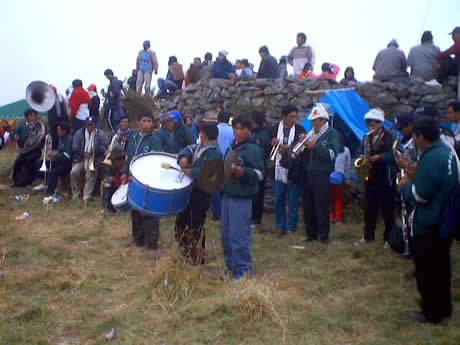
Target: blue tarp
x=349, y=105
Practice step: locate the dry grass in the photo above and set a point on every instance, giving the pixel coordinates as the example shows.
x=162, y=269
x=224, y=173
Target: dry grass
x=65, y=277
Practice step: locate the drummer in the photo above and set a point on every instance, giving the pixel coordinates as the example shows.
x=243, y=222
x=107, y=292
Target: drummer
x=189, y=223
x=113, y=180
x=145, y=228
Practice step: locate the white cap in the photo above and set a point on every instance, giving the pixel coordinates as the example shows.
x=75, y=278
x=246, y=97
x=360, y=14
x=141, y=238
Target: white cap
x=223, y=52
x=376, y=114
x=318, y=112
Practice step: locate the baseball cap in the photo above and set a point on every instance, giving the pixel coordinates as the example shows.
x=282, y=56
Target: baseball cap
x=456, y=30
x=403, y=120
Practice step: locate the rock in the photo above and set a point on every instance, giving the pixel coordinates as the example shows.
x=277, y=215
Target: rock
x=225, y=93
x=258, y=101
x=274, y=89
x=262, y=83
x=433, y=98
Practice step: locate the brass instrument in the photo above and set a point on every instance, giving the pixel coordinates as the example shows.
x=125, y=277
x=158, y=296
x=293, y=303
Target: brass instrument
x=363, y=163
x=89, y=163
x=119, y=142
x=300, y=146
x=274, y=151
x=48, y=148
x=34, y=140
x=404, y=216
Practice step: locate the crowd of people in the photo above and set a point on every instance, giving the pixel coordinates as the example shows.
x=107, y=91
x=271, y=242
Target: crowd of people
x=308, y=168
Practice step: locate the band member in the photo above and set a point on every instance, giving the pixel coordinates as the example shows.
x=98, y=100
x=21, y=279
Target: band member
x=166, y=132
x=376, y=152
x=29, y=138
x=125, y=131
x=112, y=180
x=430, y=188
x=183, y=134
x=322, y=146
x=247, y=172
x=286, y=184
x=114, y=97
x=57, y=114
x=145, y=228
x=60, y=161
x=189, y=223
x=89, y=147
x=261, y=138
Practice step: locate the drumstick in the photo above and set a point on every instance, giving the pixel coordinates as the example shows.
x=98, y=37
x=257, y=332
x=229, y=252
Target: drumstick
x=166, y=165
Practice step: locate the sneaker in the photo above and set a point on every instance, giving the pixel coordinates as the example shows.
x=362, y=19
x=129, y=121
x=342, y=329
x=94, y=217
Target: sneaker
x=56, y=198
x=255, y=226
x=47, y=200
x=41, y=187
x=386, y=245
x=433, y=82
x=360, y=242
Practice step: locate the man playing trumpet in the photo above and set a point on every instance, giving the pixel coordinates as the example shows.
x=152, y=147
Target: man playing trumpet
x=89, y=147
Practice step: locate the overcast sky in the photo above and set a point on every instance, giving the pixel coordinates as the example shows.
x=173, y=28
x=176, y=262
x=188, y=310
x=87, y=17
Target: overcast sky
x=57, y=41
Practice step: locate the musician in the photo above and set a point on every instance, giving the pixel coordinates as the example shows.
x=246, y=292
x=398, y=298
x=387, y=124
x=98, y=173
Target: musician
x=57, y=114
x=29, y=138
x=145, y=228
x=318, y=161
x=287, y=188
x=238, y=192
x=166, y=132
x=125, y=131
x=261, y=138
x=60, y=161
x=89, y=147
x=189, y=223
x=379, y=189
x=183, y=134
x=430, y=188
x=112, y=180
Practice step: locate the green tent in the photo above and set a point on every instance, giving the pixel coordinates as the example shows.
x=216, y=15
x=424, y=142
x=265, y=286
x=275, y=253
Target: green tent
x=16, y=110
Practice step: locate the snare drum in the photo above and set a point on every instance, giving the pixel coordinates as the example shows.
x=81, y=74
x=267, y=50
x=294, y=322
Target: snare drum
x=120, y=199
x=155, y=190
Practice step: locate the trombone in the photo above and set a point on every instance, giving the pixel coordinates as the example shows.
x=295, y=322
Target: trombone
x=274, y=151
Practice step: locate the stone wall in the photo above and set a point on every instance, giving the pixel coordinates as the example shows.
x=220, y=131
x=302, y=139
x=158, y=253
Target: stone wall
x=201, y=100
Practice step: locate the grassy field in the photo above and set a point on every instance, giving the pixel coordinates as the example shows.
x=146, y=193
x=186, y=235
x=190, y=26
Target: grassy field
x=66, y=278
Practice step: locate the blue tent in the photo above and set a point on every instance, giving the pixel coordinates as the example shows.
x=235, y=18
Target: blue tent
x=351, y=108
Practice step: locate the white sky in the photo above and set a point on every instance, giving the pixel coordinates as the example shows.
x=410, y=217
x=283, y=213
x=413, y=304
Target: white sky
x=57, y=41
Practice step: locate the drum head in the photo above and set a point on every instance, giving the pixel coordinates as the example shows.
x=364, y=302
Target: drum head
x=120, y=196
x=147, y=170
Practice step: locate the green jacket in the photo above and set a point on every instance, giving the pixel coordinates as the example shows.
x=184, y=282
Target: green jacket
x=199, y=159
x=321, y=160
x=251, y=158
x=23, y=131
x=173, y=142
x=436, y=176
x=139, y=144
x=64, y=153
x=262, y=139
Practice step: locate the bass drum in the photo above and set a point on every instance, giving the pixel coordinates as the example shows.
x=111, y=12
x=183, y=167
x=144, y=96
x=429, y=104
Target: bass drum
x=157, y=191
x=120, y=199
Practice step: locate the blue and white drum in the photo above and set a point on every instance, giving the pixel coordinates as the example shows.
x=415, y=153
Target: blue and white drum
x=120, y=199
x=155, y=190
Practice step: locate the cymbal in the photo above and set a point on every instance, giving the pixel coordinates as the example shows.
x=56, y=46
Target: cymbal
x=211, y=176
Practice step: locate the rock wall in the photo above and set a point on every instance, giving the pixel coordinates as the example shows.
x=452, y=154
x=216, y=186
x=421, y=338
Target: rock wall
x=270, y=95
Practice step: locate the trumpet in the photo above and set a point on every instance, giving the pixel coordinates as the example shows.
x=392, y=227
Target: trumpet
x=48, y=143
x=116, y=140
x=89, y=164
x=274, y=151
x=300, y=146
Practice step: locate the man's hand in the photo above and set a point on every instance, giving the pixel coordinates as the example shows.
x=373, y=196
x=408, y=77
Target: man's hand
x=275, y=141
x=310, y=144
x=238, y=171
x=374, y=158
x=52, y=155
x=285, y=148
x=184, y=162
x=124, y=178
x=87, y=155
x=187, y=172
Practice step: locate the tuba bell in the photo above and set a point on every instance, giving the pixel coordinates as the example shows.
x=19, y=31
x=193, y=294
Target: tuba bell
x=40, y=96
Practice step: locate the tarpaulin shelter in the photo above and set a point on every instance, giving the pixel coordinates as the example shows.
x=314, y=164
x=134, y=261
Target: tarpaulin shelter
x=15, y=110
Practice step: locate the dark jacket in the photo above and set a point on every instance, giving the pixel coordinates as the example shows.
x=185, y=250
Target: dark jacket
x=23, y=131
x=435, y=178
x=210, y=153
x=173, y=142
x=384, y=170
x=64, y=153
x=114, y=93
x=139, y=144
x=132, y=83
x=222, y=69
x=94, y=106
x=320, y=162
x=268, y=68
x=246, y=186
x=54, y=117
x=261, y=138
x=78, y=146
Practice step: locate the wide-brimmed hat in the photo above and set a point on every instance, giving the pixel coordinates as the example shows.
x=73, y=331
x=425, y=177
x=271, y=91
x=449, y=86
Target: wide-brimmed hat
x=375, y=114
x=318, y=111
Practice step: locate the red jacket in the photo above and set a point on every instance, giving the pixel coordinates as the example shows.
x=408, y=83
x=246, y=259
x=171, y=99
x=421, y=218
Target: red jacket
x=455, y=50
x=79, y=96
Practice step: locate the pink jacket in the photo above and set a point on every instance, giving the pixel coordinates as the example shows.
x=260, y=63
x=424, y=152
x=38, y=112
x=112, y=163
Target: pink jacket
x=328, y=75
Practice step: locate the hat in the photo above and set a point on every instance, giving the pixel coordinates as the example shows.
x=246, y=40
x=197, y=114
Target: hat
x=177, y=116
x=92, y=87
x=403, y=120
x=146, y=43
x=456, y=30
x=91, y=121
x=393, y=42
x=223, y=52
x=318, y=112
x=108, y=71
x=166, y=117
x=426, y=110
x=284, y=58
x=375, y=114
x=53, y=87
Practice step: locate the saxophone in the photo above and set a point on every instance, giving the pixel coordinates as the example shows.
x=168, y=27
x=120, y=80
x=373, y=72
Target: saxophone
x=363, y=163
